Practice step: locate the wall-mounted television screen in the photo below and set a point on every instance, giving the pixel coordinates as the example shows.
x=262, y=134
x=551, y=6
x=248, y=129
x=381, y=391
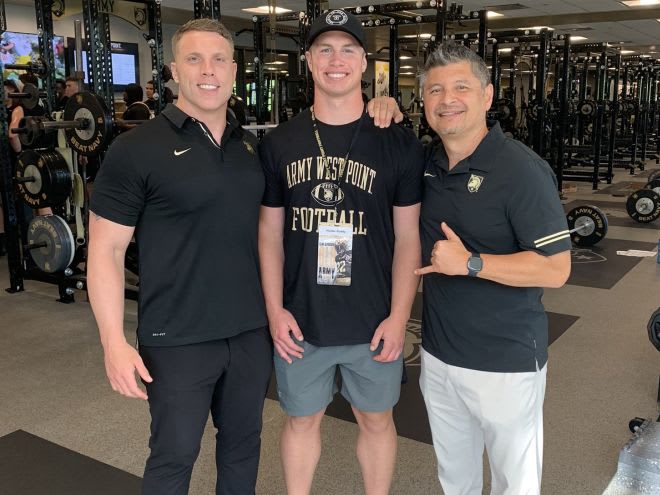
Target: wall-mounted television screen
x=125, y=62
x=22, y=48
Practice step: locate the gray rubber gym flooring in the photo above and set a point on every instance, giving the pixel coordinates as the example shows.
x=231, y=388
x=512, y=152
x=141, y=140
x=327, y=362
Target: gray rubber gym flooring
x=62, y=427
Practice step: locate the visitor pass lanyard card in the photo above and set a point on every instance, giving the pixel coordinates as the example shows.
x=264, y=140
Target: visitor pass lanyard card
x=335, y=254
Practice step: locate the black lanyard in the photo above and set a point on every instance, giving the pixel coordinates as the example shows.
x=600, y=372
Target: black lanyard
x=342, y=166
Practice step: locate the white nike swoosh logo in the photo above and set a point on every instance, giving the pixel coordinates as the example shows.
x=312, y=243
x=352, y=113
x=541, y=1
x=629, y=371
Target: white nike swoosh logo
x=177, y=153
x=426, y=174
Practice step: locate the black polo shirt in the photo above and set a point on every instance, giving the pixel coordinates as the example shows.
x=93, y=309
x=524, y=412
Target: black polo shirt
x=195, y=208
x=500, y=200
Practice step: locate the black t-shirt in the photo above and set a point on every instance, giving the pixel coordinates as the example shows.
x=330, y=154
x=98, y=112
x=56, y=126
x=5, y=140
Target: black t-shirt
x=384, y=170
x=500, y=200
x=195, y=207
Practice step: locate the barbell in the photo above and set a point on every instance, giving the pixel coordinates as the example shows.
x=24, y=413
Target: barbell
x=30, y=96
x=50, y=243
x=38, y=67
x=87, y=124
x=587, y=225
x=643, y=205
x=43, y=178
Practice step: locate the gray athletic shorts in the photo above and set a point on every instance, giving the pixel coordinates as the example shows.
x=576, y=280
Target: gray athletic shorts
x=307, y=386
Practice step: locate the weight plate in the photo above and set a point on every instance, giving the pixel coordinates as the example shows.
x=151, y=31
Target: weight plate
x=32, y=100
x=644, y=205
x=589, y=224
x=654, y=329
x=588, y=108
x=94, y=138
x=56, y=244
x=653, y=184
x=654, y=175
x=50, y=181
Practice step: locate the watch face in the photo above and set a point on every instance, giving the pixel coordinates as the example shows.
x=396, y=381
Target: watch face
x=475, y=263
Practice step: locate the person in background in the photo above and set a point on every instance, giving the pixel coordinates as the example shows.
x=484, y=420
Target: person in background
x=149, y=91
x=60, y=94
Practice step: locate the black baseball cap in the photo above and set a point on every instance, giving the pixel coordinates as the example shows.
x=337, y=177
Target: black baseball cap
x=337, y=20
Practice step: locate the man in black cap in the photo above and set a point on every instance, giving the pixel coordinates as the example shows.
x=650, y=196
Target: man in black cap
x=338, y=243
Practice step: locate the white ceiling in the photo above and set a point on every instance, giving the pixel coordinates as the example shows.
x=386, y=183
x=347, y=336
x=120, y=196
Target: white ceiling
x=642, y=33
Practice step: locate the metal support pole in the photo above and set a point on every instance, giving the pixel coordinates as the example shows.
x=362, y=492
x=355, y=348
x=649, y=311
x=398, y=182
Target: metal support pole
x=644, y=113
x=564, y=95
x=9, y=212
x=313, y=9
x=394, y=61
x=539, y=131
x=3, y=17
x=601, y=71
x=258, y=33
x=613, y=117
x=207, y=9
x=45, y=30
x=483, y=33
x=240, y=74
x=495, y=73
x=156, y=44
x=99, y=61
x=440, y=21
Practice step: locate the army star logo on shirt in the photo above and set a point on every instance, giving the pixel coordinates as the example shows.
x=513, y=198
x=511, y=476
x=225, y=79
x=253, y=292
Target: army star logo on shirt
x=474, y=183
x=249, y=147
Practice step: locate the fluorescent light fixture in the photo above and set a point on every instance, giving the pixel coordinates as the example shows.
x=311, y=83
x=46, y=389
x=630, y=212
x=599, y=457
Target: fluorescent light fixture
x=627, y=52
x=424, y=36
x=505, y=50
x=538, y=28
x=639, y=3
x=578, y=38
x=406, y=73
x=276, y=62
x=406, y=67
x=492, y=13
x=405, y=57
x=265, y=10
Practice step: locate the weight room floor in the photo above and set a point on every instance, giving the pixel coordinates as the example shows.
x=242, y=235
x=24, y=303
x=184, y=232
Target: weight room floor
x=78, y=437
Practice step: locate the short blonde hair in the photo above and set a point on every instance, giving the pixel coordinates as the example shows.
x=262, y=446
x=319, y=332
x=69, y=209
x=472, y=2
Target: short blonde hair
x=207, y=25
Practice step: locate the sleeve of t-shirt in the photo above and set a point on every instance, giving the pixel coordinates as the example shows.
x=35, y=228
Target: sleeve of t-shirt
x=410, y=154
x=535, y=211
x=273, y=194
x=119, y=190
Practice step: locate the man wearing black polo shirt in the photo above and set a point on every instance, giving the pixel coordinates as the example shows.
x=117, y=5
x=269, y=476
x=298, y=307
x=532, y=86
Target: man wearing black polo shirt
x=494, y=233
x=188, y=184
x=338, y=242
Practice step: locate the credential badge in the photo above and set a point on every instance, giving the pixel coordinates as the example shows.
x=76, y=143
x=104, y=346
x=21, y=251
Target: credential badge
x=336, y=18
x=474, y=183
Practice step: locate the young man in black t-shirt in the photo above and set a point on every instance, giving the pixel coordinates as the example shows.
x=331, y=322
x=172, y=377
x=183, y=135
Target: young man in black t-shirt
x=189, y=185
x=338, y=243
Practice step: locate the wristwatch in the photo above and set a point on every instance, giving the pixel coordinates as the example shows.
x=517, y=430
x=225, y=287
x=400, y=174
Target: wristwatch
x=474, y=264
